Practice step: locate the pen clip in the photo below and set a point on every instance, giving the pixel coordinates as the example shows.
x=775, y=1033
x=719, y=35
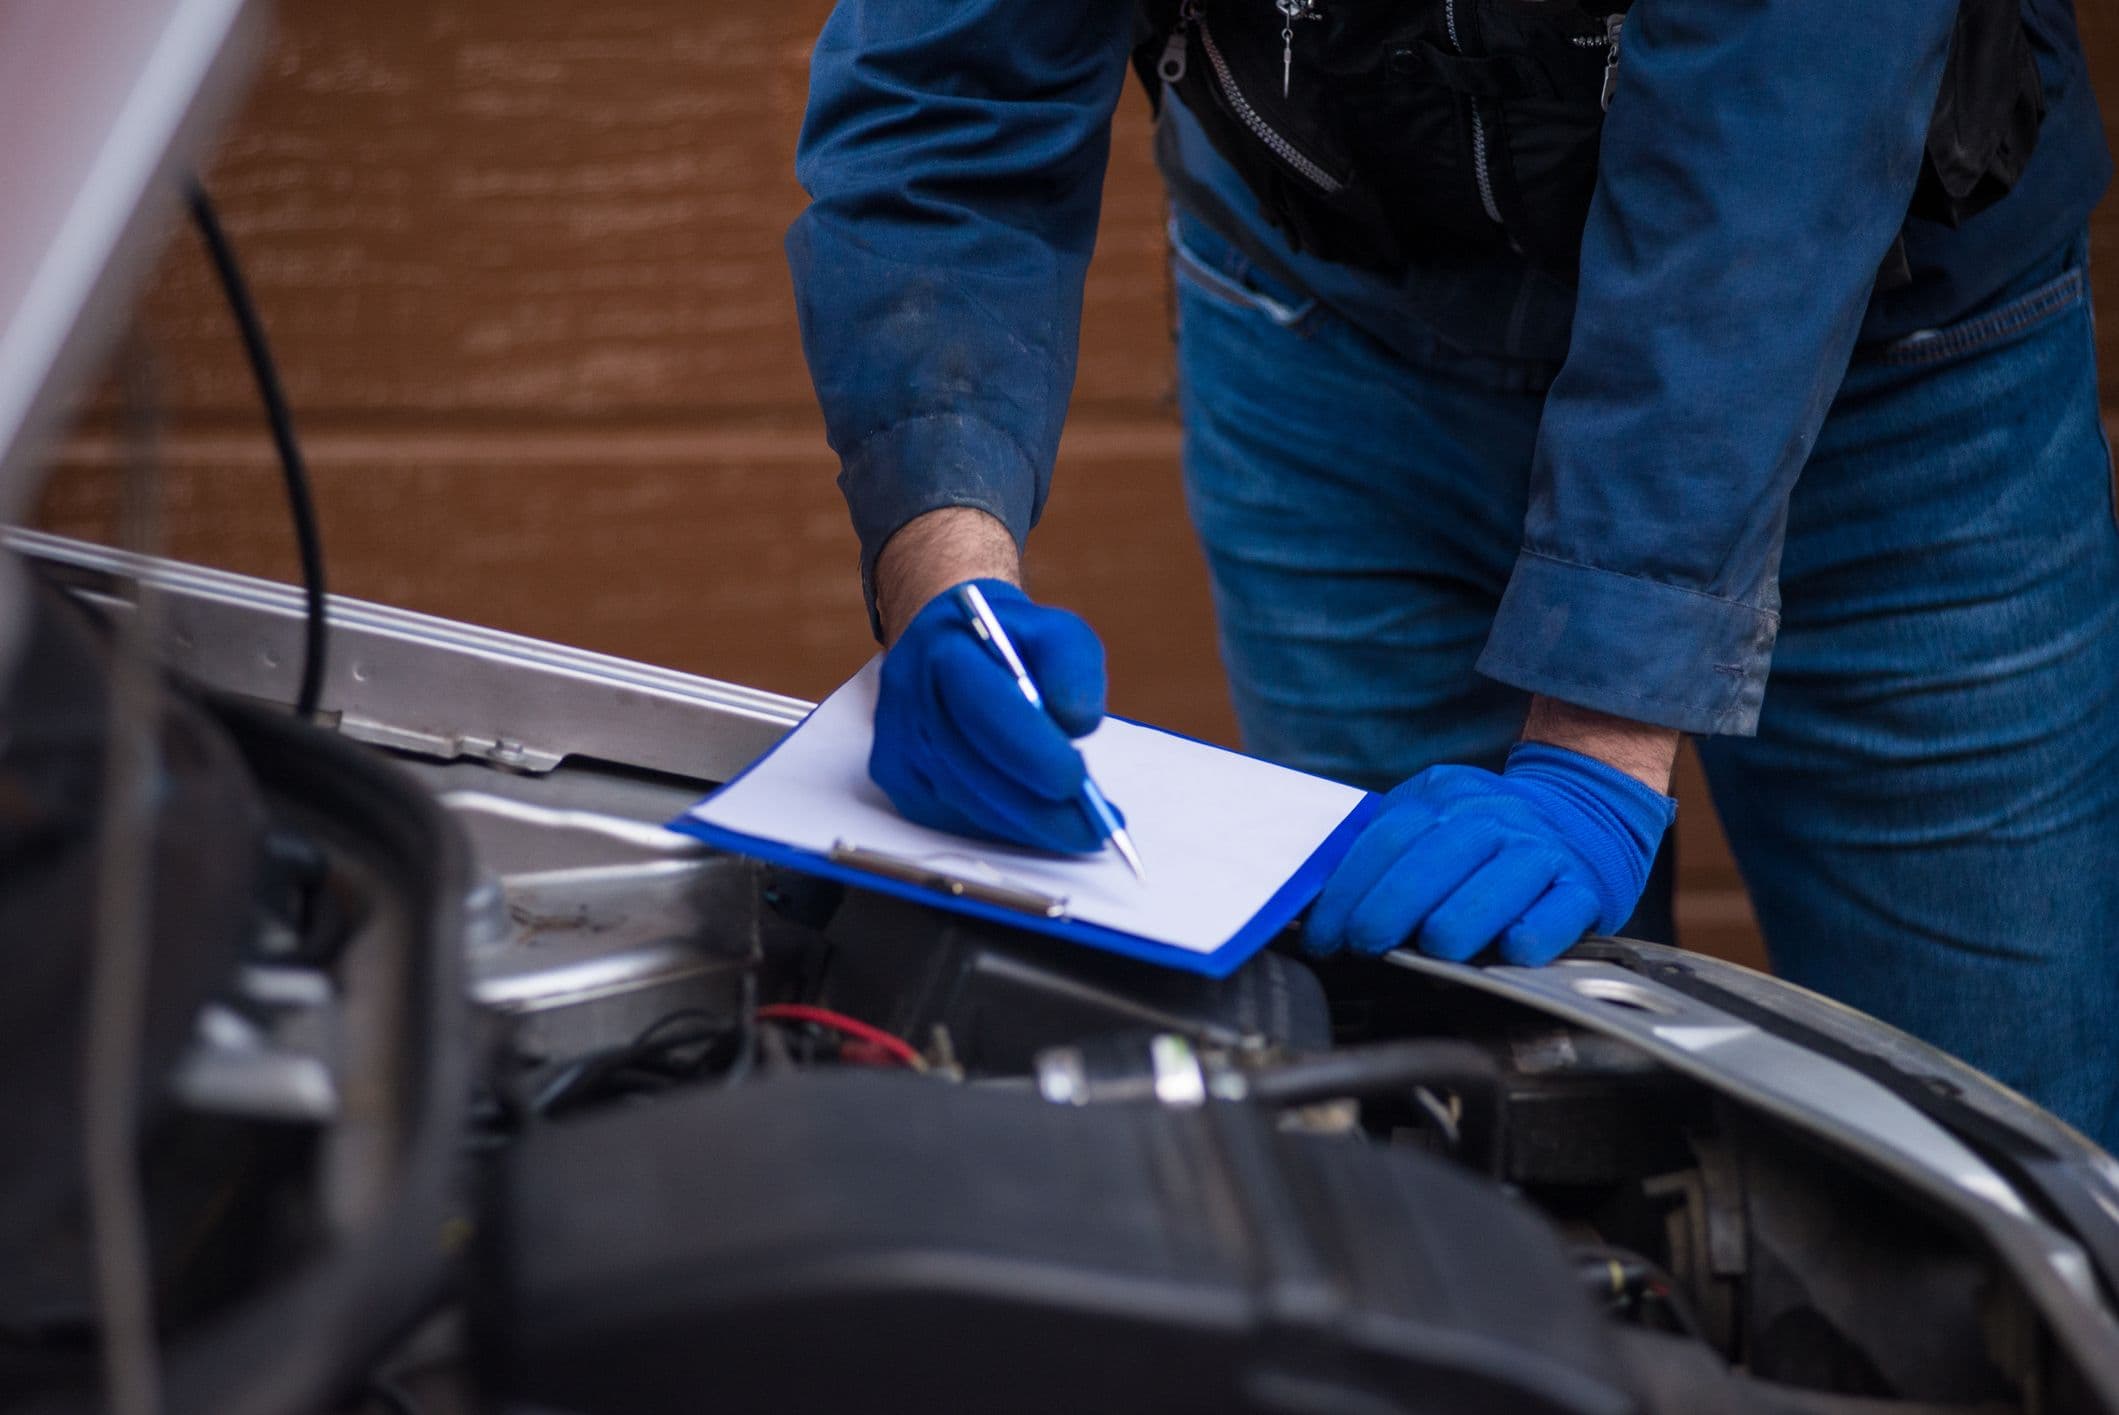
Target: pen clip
x=906, y=870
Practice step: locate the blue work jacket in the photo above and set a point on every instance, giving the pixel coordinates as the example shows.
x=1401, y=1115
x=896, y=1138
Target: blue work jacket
x=1757, y=162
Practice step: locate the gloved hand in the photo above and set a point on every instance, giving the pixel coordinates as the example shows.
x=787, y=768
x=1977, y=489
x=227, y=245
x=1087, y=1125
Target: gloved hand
x=958, y=747
x=1459, y=858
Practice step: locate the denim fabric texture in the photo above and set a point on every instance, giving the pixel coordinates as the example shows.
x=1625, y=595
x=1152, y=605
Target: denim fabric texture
x=1928, y=816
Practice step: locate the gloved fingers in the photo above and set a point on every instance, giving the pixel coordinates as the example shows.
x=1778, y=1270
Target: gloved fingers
x=1552, y=925
x=1497, y=894
x=914, y=797
x=912, y=791
x=943, y=784
x=1000, y=809
x=1385, y=839
x=1419, y=880
x=980, y=713
x=1066, y=660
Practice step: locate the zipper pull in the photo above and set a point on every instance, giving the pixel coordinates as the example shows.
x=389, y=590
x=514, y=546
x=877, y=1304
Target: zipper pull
x=1612, y=25
x=1291, y=11
x=1171, y=67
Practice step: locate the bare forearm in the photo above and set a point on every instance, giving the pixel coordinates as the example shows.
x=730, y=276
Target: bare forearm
x=1645, y=752
x=930, y=553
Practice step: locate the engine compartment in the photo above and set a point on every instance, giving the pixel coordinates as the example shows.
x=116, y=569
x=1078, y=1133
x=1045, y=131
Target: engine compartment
x=1422, y=1134
x=1732, y=1262
x=515, y=1101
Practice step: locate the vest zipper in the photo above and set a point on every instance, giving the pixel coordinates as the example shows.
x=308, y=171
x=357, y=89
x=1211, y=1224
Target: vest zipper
x=1171, y=67
x=1482, y=171
x=1250, y=117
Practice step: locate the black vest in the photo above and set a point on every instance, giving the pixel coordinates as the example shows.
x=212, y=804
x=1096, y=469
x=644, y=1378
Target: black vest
x=1377, y=132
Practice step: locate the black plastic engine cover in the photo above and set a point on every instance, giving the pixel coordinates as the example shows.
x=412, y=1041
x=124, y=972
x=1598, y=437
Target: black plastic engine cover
x=868, y=1242
x=1004, y=995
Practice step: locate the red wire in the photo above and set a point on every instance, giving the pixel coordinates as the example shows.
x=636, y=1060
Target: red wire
x=850, y=1026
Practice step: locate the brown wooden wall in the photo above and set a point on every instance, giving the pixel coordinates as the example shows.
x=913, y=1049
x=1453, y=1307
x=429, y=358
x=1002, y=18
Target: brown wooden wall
x=521, y=260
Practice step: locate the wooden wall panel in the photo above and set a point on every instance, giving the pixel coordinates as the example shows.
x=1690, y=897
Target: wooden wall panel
x=2099, y=20
x=719, y=552
x=512, y=210
x=543, y=211
x=521, y=259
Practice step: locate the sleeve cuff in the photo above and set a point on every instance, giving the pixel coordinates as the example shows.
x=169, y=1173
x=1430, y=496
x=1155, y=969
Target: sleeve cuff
x=1632, y=647
x=924, y=464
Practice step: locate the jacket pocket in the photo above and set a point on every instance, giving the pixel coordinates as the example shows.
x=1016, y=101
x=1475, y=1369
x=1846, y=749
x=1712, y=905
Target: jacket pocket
x=1218, y=272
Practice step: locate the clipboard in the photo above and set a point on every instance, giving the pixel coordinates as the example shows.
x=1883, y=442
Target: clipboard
x=1213, y=899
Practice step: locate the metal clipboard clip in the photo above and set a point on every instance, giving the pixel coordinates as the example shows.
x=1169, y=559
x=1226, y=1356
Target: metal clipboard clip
x=928, y=873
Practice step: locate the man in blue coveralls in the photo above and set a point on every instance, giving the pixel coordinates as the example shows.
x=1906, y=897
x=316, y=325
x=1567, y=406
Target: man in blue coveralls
x=1548, y=371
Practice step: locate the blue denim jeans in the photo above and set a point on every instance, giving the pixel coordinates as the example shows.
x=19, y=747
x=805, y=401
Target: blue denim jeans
x=1928, y=819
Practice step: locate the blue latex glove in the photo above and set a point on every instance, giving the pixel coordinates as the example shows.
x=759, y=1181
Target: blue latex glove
x=1459, y=858
x=958, y=747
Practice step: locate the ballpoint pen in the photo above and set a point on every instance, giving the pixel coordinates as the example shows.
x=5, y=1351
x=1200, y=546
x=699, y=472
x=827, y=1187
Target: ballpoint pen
x=987, y=625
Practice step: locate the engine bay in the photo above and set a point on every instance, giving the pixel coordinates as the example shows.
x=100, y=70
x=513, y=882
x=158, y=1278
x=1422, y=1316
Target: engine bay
x=512, y=1099
x=1099, y=1184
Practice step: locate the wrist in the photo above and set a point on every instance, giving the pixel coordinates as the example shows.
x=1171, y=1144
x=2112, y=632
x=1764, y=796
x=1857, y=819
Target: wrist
x=1641, y=750
x=935, y=551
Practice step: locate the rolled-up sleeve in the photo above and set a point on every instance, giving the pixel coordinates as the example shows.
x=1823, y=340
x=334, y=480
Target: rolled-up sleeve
x=1757, y=163
x=954, y=153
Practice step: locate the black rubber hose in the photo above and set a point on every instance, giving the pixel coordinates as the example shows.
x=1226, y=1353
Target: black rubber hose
x=1395, y=1068
x=1386, y=1069
x=308, y=541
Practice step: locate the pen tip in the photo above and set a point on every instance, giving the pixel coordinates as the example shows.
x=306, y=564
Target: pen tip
x=1123, y=843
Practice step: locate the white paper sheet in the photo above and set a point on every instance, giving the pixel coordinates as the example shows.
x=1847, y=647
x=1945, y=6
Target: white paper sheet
x=1218, y=832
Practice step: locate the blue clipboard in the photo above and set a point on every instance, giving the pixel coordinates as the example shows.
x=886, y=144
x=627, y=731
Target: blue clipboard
x=1277, y=913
